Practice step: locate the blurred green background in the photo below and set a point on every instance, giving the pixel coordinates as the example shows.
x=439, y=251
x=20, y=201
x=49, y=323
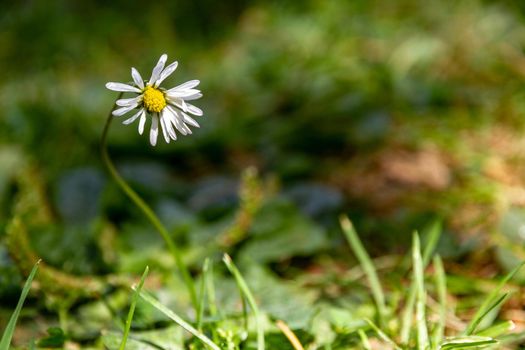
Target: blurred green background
x=397, y=113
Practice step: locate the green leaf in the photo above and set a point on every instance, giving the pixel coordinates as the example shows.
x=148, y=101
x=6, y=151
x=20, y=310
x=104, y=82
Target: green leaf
x=382, y=335
x=364, y=340
x=283, y=300
x=367, y=265
x=10, y=328
x=491, y=301
x=132, y=309
x=166, y=338
x=177, y=319
x=489, y=308
x=251, y=300
x=441, y=287
x=467, y=342
x=419, y=278
x=434, y=234
x=497, y=329
x=202, y=293
x=55, y=339
x=280, y=231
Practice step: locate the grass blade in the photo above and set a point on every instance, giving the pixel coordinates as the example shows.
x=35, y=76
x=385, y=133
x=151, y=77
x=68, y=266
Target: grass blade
x=488, y=309
x=202, y=294
x=210, y=290
x=382, y=335
x=490, y=301
x=419, y=278
x=210, y=293
x=434, y=235
x=132, y=309
x=290, y=335
x=441, y=287
x=10, y=328
x=246, y=291
x=467, y=342
x=367, y=265
x=364, y=340
x=497, y=330
x=177, y=319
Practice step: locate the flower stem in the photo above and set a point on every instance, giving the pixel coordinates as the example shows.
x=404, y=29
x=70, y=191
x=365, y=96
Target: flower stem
x=148, y=212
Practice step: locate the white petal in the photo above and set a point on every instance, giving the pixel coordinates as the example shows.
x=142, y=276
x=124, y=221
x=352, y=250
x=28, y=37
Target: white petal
x=123, y=110
x=187, y=85
x=177, y=101
x=133, y=118
x=158, y=69
x=194, y=110
x=137, y=78
x=176, y=120
x=154, y=131
x=183, y=129
x=121, y=87
x=166, y=73
x=195, y=96
x=179, y=124
x=183, y=93
x=142, y=122
x=190, y=120
x=168, y=121
x=128, y=101
x=164, y=129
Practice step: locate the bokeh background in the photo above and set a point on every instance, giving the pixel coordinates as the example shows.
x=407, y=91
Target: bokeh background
x=397, y=113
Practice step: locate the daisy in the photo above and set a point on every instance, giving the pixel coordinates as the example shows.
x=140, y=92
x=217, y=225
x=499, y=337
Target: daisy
x=169, y=108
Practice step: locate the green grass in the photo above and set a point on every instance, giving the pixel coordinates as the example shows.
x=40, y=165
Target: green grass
x=245, y=290
x=212, y=327
x=441, y=288
x=364, y=98
x=420, y=338
x=131, y=312
x=494, y=300
x=9, y=330
x=368, y=267
x=178, y=320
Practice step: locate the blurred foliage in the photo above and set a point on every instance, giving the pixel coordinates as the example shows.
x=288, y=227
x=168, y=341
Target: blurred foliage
x=395, y=112
x=390, y=103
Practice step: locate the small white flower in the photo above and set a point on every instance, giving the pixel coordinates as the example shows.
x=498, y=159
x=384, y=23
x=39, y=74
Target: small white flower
x=166, y=107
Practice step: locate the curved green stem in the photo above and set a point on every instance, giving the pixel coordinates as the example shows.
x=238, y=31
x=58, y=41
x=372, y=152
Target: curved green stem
x=148, y=212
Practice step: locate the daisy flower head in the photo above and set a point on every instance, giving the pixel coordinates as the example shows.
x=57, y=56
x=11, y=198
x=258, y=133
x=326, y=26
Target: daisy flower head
x=167, y=108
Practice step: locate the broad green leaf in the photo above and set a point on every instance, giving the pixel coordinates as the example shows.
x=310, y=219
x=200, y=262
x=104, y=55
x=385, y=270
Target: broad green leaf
x=280, y=231
x=55, y=338
x=280, y=299
x=170, y=338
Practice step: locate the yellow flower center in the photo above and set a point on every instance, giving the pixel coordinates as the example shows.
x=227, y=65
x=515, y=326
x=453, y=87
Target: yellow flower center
x=153, y=99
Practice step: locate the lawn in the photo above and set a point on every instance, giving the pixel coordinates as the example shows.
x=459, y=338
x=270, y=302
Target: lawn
x=339, y=175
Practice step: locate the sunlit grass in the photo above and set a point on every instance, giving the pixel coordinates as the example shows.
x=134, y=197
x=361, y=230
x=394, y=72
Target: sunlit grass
x=9, y=330
x=426, y=331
